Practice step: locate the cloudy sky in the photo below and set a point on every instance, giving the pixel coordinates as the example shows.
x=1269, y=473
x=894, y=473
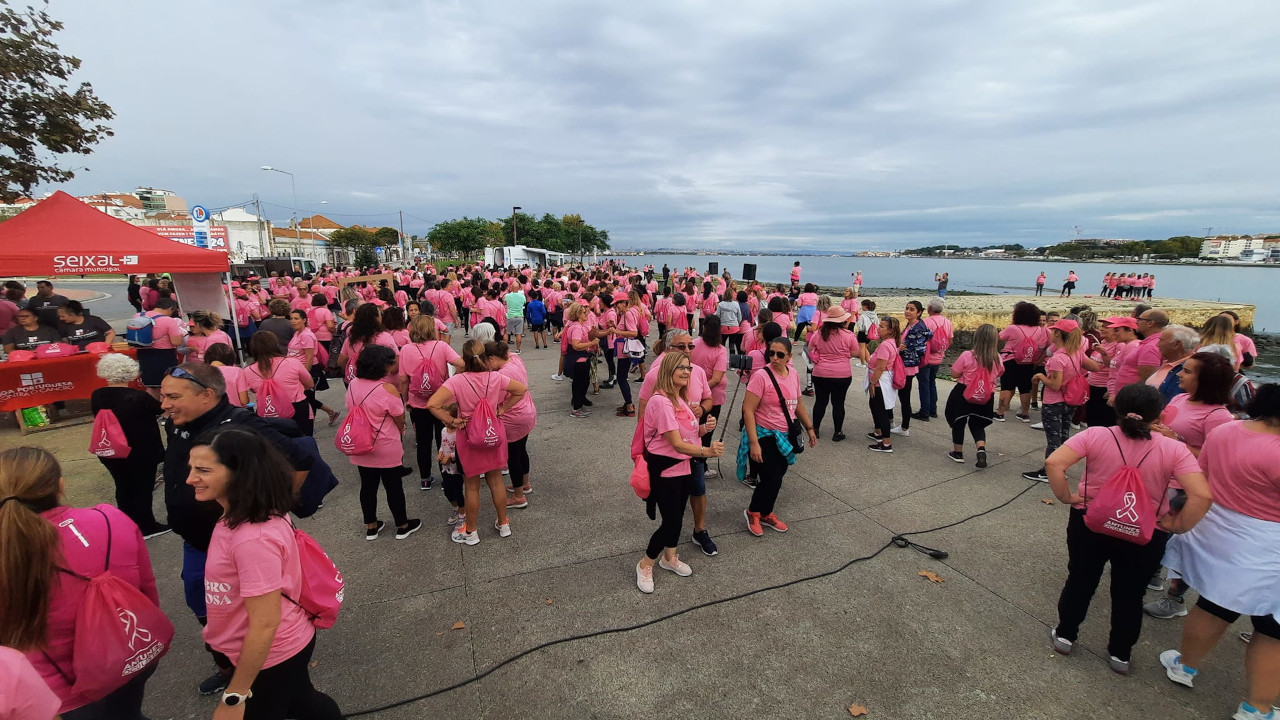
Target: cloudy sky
x=831, y=125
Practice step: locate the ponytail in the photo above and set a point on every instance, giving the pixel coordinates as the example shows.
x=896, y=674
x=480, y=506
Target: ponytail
x=1137, y=406
x=473, y=356
x=30, y=552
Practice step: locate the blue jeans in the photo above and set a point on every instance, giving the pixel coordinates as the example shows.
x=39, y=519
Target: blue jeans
x=193, y=579
x=929, y=389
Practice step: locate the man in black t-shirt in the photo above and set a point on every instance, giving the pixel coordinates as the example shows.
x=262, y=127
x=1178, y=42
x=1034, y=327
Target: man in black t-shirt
x=46, y=303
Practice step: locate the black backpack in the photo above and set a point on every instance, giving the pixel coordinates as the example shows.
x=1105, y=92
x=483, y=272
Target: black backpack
x=332, y=369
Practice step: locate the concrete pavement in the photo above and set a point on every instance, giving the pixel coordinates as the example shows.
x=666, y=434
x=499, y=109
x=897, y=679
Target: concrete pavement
x=877, y=634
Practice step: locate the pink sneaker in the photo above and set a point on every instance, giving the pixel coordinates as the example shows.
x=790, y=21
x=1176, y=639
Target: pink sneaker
x=753, y=523
x=772, y=521
x=644, y=578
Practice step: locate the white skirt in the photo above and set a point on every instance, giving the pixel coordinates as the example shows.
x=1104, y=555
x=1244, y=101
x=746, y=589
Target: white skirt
x=1232, y=560
x=886, y=387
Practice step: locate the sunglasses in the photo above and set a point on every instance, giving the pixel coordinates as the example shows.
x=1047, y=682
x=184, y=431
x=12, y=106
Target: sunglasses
x=686, y=368
x=178, y=372
x=776, y=354
x=682, y=347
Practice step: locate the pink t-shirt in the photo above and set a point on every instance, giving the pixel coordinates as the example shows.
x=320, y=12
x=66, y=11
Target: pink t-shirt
x=436, y=352
x=1193, y=421
x=807, y=299
x=380, y=406
x=831, y=357
x=1069, y=366
x=470, y=389
x=82, y=536
x=1242, y=470
x=941, y=340
x=699, y=387
x=887, y=350
x=300, y=343
x=574, y=333
x=288, y=374
x=769, y=412
x=23, y=694
x=1158, y=459
x=165, y=328
x=1244, y=344
x=1124, y=367
x=662, y=416
x=711, y=359
x=8, y=315
x=1100, y=377
x=784, y=322
x=1148, y=354
x=234, y=378
x=252, y=560
x=1013, y=335
x=318, y=319
x=965, y=369
x=523, y=416
x=401, y=336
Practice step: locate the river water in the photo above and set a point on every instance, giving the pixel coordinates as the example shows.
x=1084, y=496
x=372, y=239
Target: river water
x=1228, y=283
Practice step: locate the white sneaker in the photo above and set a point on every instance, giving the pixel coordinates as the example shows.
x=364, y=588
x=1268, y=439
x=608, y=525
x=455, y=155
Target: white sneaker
x=644, y=578
x=1037, y=426
x=712, y=473
x=460, y=535
x=1249, y=712
x=1177, y=672
x=505, y=471
x=897, y=430
x=504, y=530
x=558, y=377
x=677, y=566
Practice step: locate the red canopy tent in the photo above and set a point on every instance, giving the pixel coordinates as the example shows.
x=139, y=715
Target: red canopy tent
x=63, y=236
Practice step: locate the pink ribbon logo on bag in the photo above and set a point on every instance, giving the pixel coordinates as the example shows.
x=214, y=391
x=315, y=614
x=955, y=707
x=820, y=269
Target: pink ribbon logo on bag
x=1129, y=511
x=136, y=634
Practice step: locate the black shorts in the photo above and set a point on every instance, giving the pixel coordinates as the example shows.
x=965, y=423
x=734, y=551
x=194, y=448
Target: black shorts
x=153, y=363
x=1016, y=377
x=1262, y=624
x=556, y=317
x=537, y=327
x=862, y=338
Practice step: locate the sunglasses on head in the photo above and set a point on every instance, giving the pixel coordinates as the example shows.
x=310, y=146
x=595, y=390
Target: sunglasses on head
x=178, y=372
x=777, y=354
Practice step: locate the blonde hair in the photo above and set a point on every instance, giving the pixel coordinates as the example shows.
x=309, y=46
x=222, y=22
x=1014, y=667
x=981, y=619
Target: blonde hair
x=825, y=302
x=986, y=342
x=576, y=312
x=666, y=383
x=422, y=329
x=30, y=551
x=1071, y=341
x=1220, y=330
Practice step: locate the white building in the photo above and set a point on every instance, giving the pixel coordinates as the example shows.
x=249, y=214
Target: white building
x=247, y=234
x=1231, y=247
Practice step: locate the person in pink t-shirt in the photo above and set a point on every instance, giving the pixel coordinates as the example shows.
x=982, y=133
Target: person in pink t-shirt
x=1232, y=558
x=519, y=421
x=166, y=335
x=469, y=389
x=710, y=354
x=1024, y=347
x=291, y=379
x=972, y=399
x=425, y=349
x=384, y=464
x=38, y=536
x=206, y=330
x=253, y=577
x=223, y=357
x=1148, y=358
x=1164, y=464
x=23, y=694
x=1121, y=360
x=771, y=403
x=667, y=434
x=1065, y=366
x=308, y=350
x=935, y=351
x=879, y=384
x=366, y=329
x=1190, y=416
x=832, y=348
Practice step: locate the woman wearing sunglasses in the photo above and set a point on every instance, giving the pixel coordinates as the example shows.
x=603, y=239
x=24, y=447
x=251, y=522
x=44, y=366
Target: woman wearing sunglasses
x=766, y=433
x=670, y=432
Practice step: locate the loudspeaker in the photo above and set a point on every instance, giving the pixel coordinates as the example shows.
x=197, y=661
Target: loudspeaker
x=713, y=268
x=749, y=271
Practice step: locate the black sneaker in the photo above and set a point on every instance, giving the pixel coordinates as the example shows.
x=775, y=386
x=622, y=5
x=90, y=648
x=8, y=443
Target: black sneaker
x=807, y=392
x=1023, y=418
x=405, y=471
x=873, y=437
x=837, y=437
x=1035, y=405
x=372, y=533
x=156, y=531
x=751, y=481
x=427, y=482
x=982, y=459
x=956, y=456
x=702, y=539
x=922, y=417
x=412, y=527
x=587, y=403
x=215, y=683
x=1037, y=475
x=881, y=447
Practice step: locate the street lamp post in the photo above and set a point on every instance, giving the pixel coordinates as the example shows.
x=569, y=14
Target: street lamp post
x=515, y=233
x=297, y=232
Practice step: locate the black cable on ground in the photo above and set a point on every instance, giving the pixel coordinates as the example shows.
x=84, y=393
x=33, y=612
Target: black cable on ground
x=899, y=540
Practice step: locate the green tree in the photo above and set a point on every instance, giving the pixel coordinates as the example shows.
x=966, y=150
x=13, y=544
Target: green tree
x=40, y=115
x=386, y=237
x=467, y=236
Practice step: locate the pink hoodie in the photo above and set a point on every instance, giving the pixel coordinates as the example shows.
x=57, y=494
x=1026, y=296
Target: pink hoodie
x=83, y=532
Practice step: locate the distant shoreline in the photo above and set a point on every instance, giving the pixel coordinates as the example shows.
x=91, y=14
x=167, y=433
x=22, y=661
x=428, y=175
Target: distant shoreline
x=1094, y=261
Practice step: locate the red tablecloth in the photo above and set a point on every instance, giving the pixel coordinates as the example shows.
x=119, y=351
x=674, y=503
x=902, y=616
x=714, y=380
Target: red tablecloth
x=39, y=382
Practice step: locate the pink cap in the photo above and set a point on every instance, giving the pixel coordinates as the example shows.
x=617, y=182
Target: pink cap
x=1066, y=325
x=234, y=284
x=619, y=295
x=21, y=355
x=1122, y=321
x=97, y=347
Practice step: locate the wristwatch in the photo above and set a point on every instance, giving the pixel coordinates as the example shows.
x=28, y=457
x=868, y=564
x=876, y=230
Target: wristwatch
x=231, y=699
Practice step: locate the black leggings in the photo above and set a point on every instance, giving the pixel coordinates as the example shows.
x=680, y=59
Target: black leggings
x=770, y=472
x=581, y=373
x=1097, y=413
x=426, y=430
x=518, y=460
x=123, y=703
x=624, y=384
x=960, y=412
x=880, y=415
x=1262, y=624
x=1131, y=567
x=671, y=495
x=302, y=416
x=800, y=326
x=734, y=341
x=390, y=479
x=453, y=488
x=904, y=401
x=135, y=480
x=608, y=359
x=832, y=390
x=285, y=691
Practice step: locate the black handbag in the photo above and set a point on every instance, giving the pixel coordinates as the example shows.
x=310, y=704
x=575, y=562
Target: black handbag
x=795, y=432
